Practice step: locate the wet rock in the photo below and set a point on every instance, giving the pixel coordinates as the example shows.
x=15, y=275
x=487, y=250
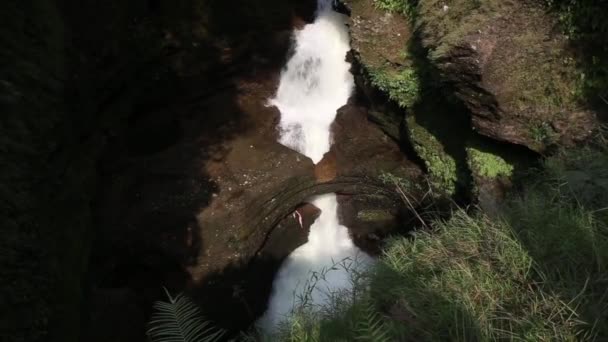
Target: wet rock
x=371, y=218
x=362, y=149
x=253, y=176
x=291, y=232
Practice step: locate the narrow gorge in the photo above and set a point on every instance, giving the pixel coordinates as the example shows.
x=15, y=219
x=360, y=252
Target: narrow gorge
x=255, y=156
x=314, y=85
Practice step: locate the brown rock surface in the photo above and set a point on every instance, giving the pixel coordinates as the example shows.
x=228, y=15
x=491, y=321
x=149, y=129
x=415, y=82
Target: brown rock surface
x=512, y=68
x=198, y=194
x=505, y=60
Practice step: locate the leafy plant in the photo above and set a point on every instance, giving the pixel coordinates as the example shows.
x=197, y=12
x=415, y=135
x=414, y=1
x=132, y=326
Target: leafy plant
x=180, y=320
x=372, y=327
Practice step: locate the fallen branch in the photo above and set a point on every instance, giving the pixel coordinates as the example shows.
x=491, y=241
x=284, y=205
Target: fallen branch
x=408, y=203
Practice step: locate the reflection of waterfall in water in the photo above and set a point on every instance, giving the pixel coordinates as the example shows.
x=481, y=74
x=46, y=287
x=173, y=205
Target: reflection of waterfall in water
x=316, y=82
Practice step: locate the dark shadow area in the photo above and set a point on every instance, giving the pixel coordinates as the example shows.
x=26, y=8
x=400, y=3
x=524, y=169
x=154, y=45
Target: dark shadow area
x=236, y=297
x=562, y=225
x=240, y=17
x=441, y=114
x=520, y=157
x=382, y=111
x=159, y=83
x=585, y=25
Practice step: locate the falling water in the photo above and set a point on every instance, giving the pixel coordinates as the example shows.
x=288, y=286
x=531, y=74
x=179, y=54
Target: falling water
x=315, y=83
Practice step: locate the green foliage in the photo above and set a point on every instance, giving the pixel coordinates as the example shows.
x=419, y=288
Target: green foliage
x=470, y=280
x=401, y=86
x=580, y=174
x=489, y=165
x=441, y=166
x=407, y=7
x=541, y=132
x=371, y=327
x=584, y=21
x=537, y=274
x=180, y=320
x=561, y=220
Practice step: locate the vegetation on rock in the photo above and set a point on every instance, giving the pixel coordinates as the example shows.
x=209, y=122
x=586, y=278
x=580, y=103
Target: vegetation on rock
x=407, y=7
x=402, y=86
x=440, y=165
x=505, y=60
x=180, y=319
x=584, y=23
x=535, y=273
x=489, y=165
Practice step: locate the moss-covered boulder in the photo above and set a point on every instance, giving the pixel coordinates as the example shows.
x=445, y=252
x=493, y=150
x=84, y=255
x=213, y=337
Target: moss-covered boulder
x=412, y=109
x=510, y=65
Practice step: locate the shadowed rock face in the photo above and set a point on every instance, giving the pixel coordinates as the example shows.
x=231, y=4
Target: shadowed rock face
x=498, y=73
x=199, y=196
x=159, y=147
x=513, y=69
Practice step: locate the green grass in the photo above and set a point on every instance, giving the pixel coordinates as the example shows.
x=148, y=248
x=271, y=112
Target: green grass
x=537, y=273
x=407, y=7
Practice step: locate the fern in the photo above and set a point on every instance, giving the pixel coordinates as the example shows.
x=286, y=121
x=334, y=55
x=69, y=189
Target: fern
x=370, y=327
x=180, y=320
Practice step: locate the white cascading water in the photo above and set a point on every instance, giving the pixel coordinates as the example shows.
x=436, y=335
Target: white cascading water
x=316, y=82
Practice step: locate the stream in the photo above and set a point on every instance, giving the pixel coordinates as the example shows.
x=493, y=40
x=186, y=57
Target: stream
x=315, y=83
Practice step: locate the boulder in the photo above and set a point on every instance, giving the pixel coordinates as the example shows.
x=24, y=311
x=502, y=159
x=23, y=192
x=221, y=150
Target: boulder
x=510, y=65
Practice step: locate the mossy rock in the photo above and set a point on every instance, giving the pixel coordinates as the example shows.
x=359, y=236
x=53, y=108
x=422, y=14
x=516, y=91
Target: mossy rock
x=495, y=167
x=440, y=165
x=515, y=72
x=489, y=165
x=372, y=215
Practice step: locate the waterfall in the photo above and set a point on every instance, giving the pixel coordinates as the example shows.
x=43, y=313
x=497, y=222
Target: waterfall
x=314, y=85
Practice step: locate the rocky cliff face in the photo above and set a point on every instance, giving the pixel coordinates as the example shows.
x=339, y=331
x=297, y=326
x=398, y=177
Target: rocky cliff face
x=510, y=65
x=462, y=72
x=139, y=153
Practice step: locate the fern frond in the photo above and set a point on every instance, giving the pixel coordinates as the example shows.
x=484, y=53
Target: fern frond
x=370, y=326
x=180, y=320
